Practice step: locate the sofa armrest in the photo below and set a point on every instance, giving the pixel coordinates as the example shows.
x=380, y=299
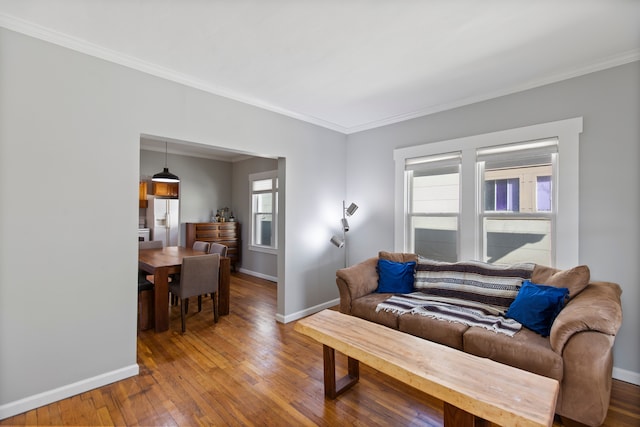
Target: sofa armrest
x=597, y=308
x=356, y=281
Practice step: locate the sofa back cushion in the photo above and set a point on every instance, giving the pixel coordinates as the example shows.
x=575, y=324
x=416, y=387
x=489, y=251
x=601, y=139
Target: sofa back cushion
x=397, y=256
x=495, y=286
x=575, y=279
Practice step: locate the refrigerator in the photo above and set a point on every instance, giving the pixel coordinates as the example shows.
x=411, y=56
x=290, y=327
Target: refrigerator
x=163, y=220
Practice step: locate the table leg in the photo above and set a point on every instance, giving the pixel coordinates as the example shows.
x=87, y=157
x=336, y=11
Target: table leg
x=333, y=387
x=161, y=303
x=224, y=286
x=456, y=417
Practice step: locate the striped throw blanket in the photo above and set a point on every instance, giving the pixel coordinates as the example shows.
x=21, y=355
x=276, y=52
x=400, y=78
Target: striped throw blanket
x=493, y=285
x=453, y=310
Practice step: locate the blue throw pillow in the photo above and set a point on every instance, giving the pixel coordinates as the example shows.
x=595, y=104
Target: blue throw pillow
x=395, y=277
x=536, y=306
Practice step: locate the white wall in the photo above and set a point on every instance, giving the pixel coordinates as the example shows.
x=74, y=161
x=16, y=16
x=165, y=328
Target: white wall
x=609, y=196
x=70, y=129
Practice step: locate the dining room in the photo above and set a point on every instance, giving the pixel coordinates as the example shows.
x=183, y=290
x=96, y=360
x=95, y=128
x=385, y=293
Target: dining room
x=211, y=189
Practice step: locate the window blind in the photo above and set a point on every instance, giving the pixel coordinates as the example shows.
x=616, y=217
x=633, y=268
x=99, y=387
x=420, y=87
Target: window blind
x=434, y=165
x=520, y=154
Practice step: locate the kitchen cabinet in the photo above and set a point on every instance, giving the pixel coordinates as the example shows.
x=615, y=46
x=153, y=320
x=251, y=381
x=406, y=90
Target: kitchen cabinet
x=225, y=233
x=143, y=202
x=166, y=189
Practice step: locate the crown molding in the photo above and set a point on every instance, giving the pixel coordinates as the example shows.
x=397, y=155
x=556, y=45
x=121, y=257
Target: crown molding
x=52, y=36
x=64, y=40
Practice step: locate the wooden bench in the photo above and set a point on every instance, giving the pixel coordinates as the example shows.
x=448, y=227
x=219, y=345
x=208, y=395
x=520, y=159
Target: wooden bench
x=474, y=390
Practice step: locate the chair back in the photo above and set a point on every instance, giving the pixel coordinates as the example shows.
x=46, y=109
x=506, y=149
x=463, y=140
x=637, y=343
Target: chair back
x=217, y=248
x=201, y=246
x=199, y=275
x=153, y=244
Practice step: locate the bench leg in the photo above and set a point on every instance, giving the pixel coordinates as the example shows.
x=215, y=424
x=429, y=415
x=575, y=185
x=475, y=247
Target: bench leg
x=333, y=387
x=456, y=417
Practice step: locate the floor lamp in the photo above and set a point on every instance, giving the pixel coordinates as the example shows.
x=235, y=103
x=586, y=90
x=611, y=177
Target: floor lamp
x=340, y=242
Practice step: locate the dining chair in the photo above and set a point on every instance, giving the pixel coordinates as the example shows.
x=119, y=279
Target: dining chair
x=201, y=246
x=214, y=248
x=217, y=248
x=150, y=244
x=198, y=276
x=146, y=299
x=197, y=246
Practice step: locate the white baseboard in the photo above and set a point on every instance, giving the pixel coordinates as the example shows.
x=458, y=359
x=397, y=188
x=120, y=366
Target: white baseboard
x=259, y=275
x=626, y=376
x=307, y=312
x=28, y=403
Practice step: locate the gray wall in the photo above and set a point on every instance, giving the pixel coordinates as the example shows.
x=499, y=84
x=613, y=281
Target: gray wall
x=70, y=128
x=258, y=263
x=609, y=102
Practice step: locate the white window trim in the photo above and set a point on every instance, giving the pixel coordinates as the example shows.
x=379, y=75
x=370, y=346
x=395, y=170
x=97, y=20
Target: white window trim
x=258, y=248
x=567, y=216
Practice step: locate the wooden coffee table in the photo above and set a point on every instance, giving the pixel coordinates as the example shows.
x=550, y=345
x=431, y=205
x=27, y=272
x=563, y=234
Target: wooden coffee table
x=474, y=389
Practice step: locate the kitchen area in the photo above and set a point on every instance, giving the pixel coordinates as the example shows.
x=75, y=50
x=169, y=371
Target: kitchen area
x=159, y=212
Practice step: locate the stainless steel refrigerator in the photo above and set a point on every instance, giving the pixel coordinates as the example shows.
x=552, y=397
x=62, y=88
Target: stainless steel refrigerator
x=164, y=221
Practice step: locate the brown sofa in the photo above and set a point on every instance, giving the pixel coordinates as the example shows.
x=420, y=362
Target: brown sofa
x=578, y=353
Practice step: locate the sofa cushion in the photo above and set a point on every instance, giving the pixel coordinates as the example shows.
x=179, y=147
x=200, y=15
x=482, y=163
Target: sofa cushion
x=397, y=256
x=395, y=277
x=446, y=333
x=537, y=306
x=575, y=279
x=365, y=308
x=525, y=350
x=496, y=286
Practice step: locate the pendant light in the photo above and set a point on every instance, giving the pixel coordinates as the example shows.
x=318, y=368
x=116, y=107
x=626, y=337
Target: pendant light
x=165, y=175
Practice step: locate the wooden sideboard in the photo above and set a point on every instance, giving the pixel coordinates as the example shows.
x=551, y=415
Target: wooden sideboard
x=225, y=233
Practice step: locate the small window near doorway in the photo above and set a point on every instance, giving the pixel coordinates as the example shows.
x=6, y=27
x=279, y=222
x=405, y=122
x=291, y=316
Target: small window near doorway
x=264, y=211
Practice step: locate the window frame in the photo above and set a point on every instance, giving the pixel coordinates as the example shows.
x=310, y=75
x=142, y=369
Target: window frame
x=261, y=176
x=567, y=186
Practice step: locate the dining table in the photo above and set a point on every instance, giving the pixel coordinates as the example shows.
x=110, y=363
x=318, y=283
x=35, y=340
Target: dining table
x=161, y=263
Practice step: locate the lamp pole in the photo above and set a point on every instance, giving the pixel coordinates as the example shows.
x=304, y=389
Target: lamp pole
x=345, y=228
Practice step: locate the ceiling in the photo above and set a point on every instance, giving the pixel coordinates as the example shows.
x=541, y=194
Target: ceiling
x=348, y=65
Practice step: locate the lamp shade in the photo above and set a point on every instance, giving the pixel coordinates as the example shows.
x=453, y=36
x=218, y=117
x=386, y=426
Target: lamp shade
x=337, y=241
x=165, y=176
x=351, y=209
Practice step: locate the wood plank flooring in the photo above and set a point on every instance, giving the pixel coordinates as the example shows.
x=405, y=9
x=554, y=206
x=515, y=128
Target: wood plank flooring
x=249, y=370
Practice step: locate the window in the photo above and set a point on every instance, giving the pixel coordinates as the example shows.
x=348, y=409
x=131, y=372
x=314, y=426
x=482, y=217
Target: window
x=434, y=205
x=512, y=227
x=264, y=211
x=493, y=196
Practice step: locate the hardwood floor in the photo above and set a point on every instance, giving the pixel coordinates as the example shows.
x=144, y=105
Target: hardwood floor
x=249, y=370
